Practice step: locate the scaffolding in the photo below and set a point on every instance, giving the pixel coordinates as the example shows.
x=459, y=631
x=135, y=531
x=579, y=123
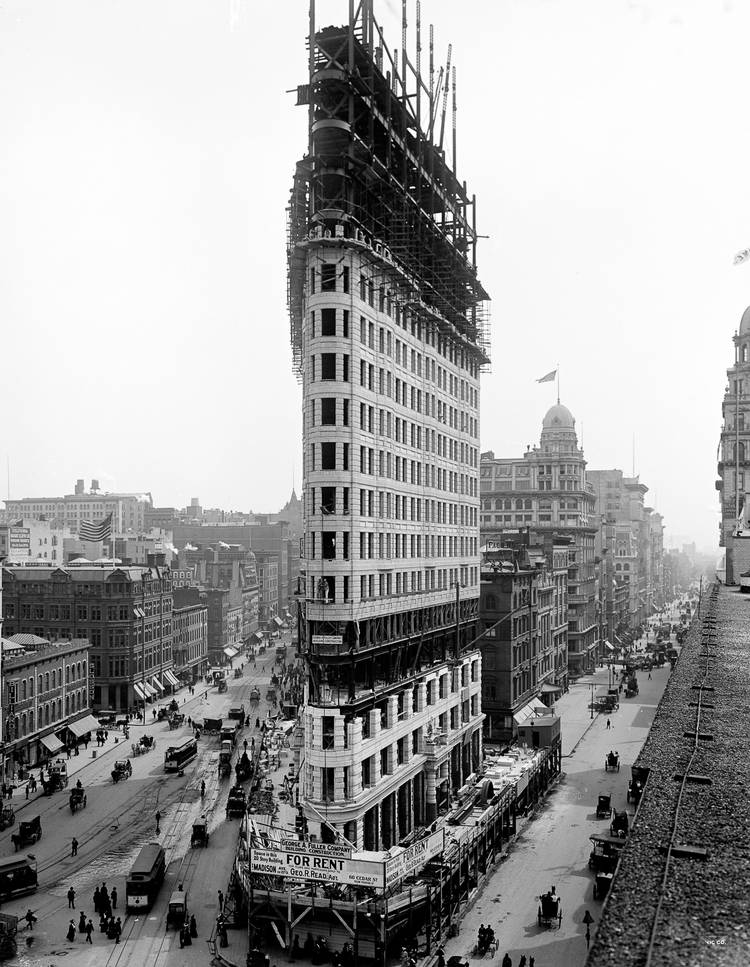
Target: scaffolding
x=376, y=175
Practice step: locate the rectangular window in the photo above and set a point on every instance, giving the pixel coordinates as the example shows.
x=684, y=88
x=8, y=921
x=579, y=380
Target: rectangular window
x=345, y=463
x=328, y=366
x=327, y=501
x=346, y=324
x=345, y=278
x=328, y=277
x=328, y=456
x=346, y=413
x=345, y=368
x=328, y=411
x=328, y=322
x=328, y=545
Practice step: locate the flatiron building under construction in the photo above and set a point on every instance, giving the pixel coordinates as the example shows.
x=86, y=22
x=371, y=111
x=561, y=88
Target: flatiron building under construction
x=389, y=337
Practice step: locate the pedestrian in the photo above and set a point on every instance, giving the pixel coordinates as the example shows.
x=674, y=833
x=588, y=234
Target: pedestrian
x=507, y=962
x=71, y=934
x=113, y=898
x=531, y=962
x=68, y=751
x=190, y=724
x=182, y=937
x=111, y=929
x=649, y=676
x=89, y=931
x=104, y=896
x=71, y=899
x=522, y=961
x=82, y=923
x=203, y=788
x=118, y=930
x=193, y=927
x=74, y=847
x=103, y=922
x=28, y=786
x=158, y=822
x=244, y=744
x=257, y=723
x=609, y=724
x=97, y=901
x=221, y=900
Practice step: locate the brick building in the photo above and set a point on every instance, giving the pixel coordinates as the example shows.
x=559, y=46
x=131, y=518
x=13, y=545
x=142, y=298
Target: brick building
x=125, y=613
x=189, y=634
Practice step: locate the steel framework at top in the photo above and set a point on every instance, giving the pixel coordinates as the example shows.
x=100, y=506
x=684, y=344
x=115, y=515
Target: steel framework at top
x=376, y=173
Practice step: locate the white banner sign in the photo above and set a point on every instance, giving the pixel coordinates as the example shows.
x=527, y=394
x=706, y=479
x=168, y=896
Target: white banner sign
x=325, y=869
x=317, y=849
x=414, y=857
x=328, y=639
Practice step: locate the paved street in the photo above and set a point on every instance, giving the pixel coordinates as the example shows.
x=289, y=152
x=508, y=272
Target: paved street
x=553, y=848
x=118, y=820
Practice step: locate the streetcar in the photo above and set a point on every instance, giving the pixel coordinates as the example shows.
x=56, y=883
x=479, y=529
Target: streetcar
x=17, y=876
x=178, y=756
x=145, y=878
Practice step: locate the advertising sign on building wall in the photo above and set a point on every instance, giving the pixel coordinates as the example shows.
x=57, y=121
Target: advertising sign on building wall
x=304, y=864
x=414, y=857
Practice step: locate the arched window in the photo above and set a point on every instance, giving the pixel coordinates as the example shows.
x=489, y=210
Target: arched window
x=527, y=505
x=31, y=721
x=40, y=684
x=54, y=682
x=23, y=723
x=519, y=504
x=46, y=714
x=67, y=704
x=23, y=689
x=490, y=603
x=46, y=682
x=498, y=505
x=79, y=669
x=16, y=726
x=31, y=687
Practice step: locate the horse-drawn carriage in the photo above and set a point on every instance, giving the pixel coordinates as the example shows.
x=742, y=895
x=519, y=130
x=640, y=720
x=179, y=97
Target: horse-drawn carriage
x=605, y=853
x=225, y=760
x=550, y=910
x=53, y=780
x=255, y=695
x=29, y=831
x=122, y=770
x=271, y=694
x=222, y=685
x=620, y=824
x=176, y=719
x=200, y=832
x=7, y=817
x=145, y=744
x=236, y=803
x=238, y=673
x=177, y=911
x=78, y=799
x=612, y=762
x=603, y=807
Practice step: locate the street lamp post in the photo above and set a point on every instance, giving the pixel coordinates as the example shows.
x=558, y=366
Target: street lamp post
x=591, y=686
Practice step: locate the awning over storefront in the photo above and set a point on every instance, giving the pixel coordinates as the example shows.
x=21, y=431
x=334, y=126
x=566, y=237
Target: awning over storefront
x=82, y=726
x=174, y=682
x=549, y=689
x=277, y=621
x=256, y=636
x=155, y=679
x=150, y=690
x=230, y=652
x=51, y=743
x=527, y=711
x=139, y=691
x=608, y=646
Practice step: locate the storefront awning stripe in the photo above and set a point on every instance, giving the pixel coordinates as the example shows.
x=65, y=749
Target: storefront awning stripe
x=51, y=743
x=174, y=682
x=230, y=652
x=150, y=690
x=81, y=726
x=139, y=691
x=277, y=621
x=157, y=682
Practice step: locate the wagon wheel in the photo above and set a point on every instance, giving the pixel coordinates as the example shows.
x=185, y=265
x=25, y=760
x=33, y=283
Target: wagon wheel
x=559, y=920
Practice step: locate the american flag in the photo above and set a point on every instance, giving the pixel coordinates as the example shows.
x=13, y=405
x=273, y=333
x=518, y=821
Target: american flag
x=548, y=378
x=102, y=531
x=742, y=256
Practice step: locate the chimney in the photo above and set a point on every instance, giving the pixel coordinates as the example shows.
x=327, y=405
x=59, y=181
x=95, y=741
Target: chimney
x=161, y=559
x=151, y=560
x=79, y=487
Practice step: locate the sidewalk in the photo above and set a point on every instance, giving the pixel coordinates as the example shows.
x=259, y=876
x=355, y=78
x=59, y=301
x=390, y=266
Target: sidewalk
x=574, y=708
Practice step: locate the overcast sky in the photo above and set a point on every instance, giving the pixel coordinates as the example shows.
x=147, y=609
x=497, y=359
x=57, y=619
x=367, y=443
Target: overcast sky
x=146, y=160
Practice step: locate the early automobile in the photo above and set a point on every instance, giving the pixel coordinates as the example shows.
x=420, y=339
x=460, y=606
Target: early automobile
x=200, y=832
x=243, y=769
x=225, y=760
x=222, y=686
x=605, y=853
x=29, y=831
x=177, y=911
x=77, y=798
x=238, y=713
x=620, y=824
x=602, y=883
x=550, y=910
x=603, y=807
x=612, y=762
x=122, y=770
x=255, y=695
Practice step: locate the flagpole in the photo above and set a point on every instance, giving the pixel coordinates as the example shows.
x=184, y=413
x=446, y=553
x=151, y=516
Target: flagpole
x=558, y=384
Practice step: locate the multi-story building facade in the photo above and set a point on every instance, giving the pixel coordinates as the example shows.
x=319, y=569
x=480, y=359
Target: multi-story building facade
x=189, y=634
x=546, y=490
x=28, y=539
x=388, y=339
x=268, y=587
x=128, y=510
x=124, y=612
x=734, y=447
x=46, y=698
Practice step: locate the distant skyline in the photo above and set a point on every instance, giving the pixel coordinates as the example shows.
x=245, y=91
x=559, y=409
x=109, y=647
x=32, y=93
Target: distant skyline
x=148, y=155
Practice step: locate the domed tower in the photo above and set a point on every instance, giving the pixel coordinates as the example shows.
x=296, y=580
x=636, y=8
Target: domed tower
x=734, y=451
x=559, y=431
